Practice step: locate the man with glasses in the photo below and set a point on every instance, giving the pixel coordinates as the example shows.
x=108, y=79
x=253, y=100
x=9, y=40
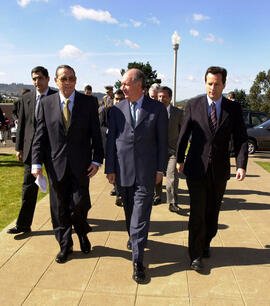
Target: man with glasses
x=29, y=105
x=67, y=132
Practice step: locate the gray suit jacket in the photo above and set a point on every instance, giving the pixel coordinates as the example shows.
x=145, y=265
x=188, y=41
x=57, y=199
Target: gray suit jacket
x=137, y=154
x=175, y=122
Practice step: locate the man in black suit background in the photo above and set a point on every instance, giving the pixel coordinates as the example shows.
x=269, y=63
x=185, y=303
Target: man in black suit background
x=67, y=132
x=211, y=120
x=88, y=92
x=29, y=105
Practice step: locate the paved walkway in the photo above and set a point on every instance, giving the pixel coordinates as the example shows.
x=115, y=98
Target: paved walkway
x=238, y=273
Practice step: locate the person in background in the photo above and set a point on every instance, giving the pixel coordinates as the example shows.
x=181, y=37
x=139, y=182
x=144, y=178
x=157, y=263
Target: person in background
x=108, y=98
x=231, y=96
x=153, y=91
x=88, y=92
x=29, y=106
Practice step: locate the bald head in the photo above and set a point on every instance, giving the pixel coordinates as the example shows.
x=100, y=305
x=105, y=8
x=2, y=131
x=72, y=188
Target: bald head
x=133, y=82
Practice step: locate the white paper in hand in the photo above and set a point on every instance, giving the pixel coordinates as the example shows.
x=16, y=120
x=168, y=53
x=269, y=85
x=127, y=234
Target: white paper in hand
x=41, y=182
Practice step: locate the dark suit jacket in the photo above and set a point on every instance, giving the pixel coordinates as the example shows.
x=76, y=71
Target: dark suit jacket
x=27, y=123
x=205, y=146
x=52, y=146
x=137, y=154
x=175, y=122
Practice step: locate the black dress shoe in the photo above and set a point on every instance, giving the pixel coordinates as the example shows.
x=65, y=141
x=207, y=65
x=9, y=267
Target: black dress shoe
x=113, y=192
x=62, y=256
x=84, y=244
x=129, y=245
x=119, y=201
x=175, y=208
x=157, y=201
x=196, y=264
x=19, y=229
x=206, y=252
x=138, y=272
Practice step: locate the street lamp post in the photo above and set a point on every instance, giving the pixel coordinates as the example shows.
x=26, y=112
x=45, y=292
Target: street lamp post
x=175, y=42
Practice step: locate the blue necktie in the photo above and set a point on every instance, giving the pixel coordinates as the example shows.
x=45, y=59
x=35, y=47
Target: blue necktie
x=133, y=113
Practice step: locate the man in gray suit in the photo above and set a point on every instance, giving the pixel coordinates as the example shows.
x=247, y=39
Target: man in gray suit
x=136, y=157
x=175, y=116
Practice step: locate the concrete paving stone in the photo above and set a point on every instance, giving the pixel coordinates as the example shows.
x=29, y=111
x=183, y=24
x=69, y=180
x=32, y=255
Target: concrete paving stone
x=4, y=257
x=161, y=301
x=113, y=275
x=53, y=297
x=72, y=275
x=261, y=302
x=167, y=279
x=212, y=301
x=24, y=268
x=106, y=299
x=215, y=283
x=13, y=295
x=254, y=281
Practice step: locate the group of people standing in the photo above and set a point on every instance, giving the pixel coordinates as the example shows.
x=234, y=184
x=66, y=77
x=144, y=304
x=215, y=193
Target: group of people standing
x=145, y=138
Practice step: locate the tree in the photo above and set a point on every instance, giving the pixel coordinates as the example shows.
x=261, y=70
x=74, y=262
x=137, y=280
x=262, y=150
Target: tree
x=241, y=97
x=259, y=94
x=150, y=74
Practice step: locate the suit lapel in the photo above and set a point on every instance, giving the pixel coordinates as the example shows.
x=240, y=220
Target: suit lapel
x=204, y=112
x=223, y=113
x=126, y=112
x=32, y=104
x=144, y=112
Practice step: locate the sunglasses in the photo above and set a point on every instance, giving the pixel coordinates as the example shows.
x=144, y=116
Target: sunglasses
x=70, y=79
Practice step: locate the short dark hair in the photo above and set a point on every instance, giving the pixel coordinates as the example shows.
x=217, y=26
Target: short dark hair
x=138, y=76
x=25, y=90
x=231, y=94
x=88, y=87
x=166, y=88
x=41, y=69
x=217, y=70
x=119, y=92
x=65, y=67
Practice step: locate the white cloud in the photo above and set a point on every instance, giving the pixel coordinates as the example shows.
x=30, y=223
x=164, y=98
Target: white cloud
x=210, y=38
x=200, y=17
x=131, y=44
x=113, y=71
x=70, y=51
x=234, y=80
x=220, y=40
x=135, y=23
x=24, y=3
x=194, y=32
x=154, y=20
x=2, y=73
x=191, y=78
x=80, y=13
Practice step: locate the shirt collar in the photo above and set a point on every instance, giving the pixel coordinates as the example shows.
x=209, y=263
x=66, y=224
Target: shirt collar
x=139, y=102
x=71, y=98
x=38, y=94
x=218, y=101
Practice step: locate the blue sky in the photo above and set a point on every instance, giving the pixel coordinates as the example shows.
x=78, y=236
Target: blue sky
x=98, y=38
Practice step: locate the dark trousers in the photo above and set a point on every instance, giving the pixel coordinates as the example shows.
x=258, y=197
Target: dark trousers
x=69, y=203
x=206, y=195
x=29, y=198
x=137, y=205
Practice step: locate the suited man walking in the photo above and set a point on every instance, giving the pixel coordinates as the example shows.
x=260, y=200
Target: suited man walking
x=175, y=116
x=136, y=157
x=29, y=105
x=67, y=131
x=211, y=119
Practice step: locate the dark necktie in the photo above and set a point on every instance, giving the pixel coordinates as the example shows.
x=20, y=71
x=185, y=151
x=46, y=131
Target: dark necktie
x=38, y=105
x=213, y=118
x=133, y=113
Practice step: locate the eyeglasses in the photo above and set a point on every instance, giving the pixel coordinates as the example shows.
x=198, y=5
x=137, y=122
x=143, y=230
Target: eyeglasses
x=70, y=79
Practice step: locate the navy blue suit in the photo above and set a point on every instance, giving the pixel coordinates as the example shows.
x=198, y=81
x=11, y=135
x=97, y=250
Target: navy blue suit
x=135, y=155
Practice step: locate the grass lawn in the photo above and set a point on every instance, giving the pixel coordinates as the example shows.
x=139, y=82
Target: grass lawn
x=11, y=178
x=265, y=165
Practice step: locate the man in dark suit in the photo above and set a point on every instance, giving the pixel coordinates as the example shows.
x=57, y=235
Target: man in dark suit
x=29, y=105
x=136, y=157
x=67, y=132
x=211, y=119
x=88, y=92
x=175, y=116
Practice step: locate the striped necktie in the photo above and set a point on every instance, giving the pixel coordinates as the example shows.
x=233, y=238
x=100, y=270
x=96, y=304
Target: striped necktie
x=213, y=118
x=133, y=113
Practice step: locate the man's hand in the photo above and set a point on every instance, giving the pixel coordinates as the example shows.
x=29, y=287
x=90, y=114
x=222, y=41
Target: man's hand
x=36, y=172
x=159, y=178
x=180, y=168
x=19, y=155
x=240, y=174
x=111, y=178
x=92, y=170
